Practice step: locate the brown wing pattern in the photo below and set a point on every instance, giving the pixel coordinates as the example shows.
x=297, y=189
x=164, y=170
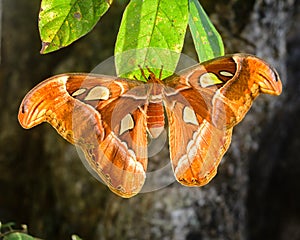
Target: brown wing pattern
x=86, y=111
x=217, y=94
x=107, y=117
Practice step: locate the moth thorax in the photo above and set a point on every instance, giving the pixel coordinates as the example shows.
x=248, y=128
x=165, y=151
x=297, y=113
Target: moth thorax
x=155, y=119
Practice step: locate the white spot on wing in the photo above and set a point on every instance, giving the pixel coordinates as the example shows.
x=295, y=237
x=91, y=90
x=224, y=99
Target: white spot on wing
x=78, y=92
x=98, y=93
x=189, y=116
x=209, y=79
x=126, y=124
x=226, y=74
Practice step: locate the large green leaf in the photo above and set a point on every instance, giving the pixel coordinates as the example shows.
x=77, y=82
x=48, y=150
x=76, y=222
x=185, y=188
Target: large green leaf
x=151, y=34
x=61, y=22
x=207, y=40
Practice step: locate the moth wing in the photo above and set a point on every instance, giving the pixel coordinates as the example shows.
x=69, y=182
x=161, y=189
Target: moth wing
x=203, y=105
x=196, y=145
x=199, y=132
x=88, y=111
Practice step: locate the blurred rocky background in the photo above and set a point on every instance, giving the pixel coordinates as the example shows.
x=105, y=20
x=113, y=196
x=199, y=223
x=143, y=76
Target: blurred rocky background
x=256, y=193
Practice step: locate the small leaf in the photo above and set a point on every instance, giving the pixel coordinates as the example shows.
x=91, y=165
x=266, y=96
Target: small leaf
x=8, y=225
x=151, y=34
x=18, y=236
x=61, y=22
x=207, y=40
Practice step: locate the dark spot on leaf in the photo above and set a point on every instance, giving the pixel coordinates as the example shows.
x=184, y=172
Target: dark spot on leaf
x=77, y=15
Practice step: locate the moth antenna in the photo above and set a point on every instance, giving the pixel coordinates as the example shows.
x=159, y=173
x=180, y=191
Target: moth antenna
x=160, y=73
x=143, y=73
x=151, y=73
x=149, y=70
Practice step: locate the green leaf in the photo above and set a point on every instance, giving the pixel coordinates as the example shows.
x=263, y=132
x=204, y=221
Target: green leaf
x=207, y=40
x=7, y=225
x=61, y=22
x=151, y=34
x=18, y=236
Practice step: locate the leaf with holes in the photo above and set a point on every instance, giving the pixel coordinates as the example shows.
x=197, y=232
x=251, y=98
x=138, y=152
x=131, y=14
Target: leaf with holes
x=62, y=22
x=151, y=34
x=207, y=40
